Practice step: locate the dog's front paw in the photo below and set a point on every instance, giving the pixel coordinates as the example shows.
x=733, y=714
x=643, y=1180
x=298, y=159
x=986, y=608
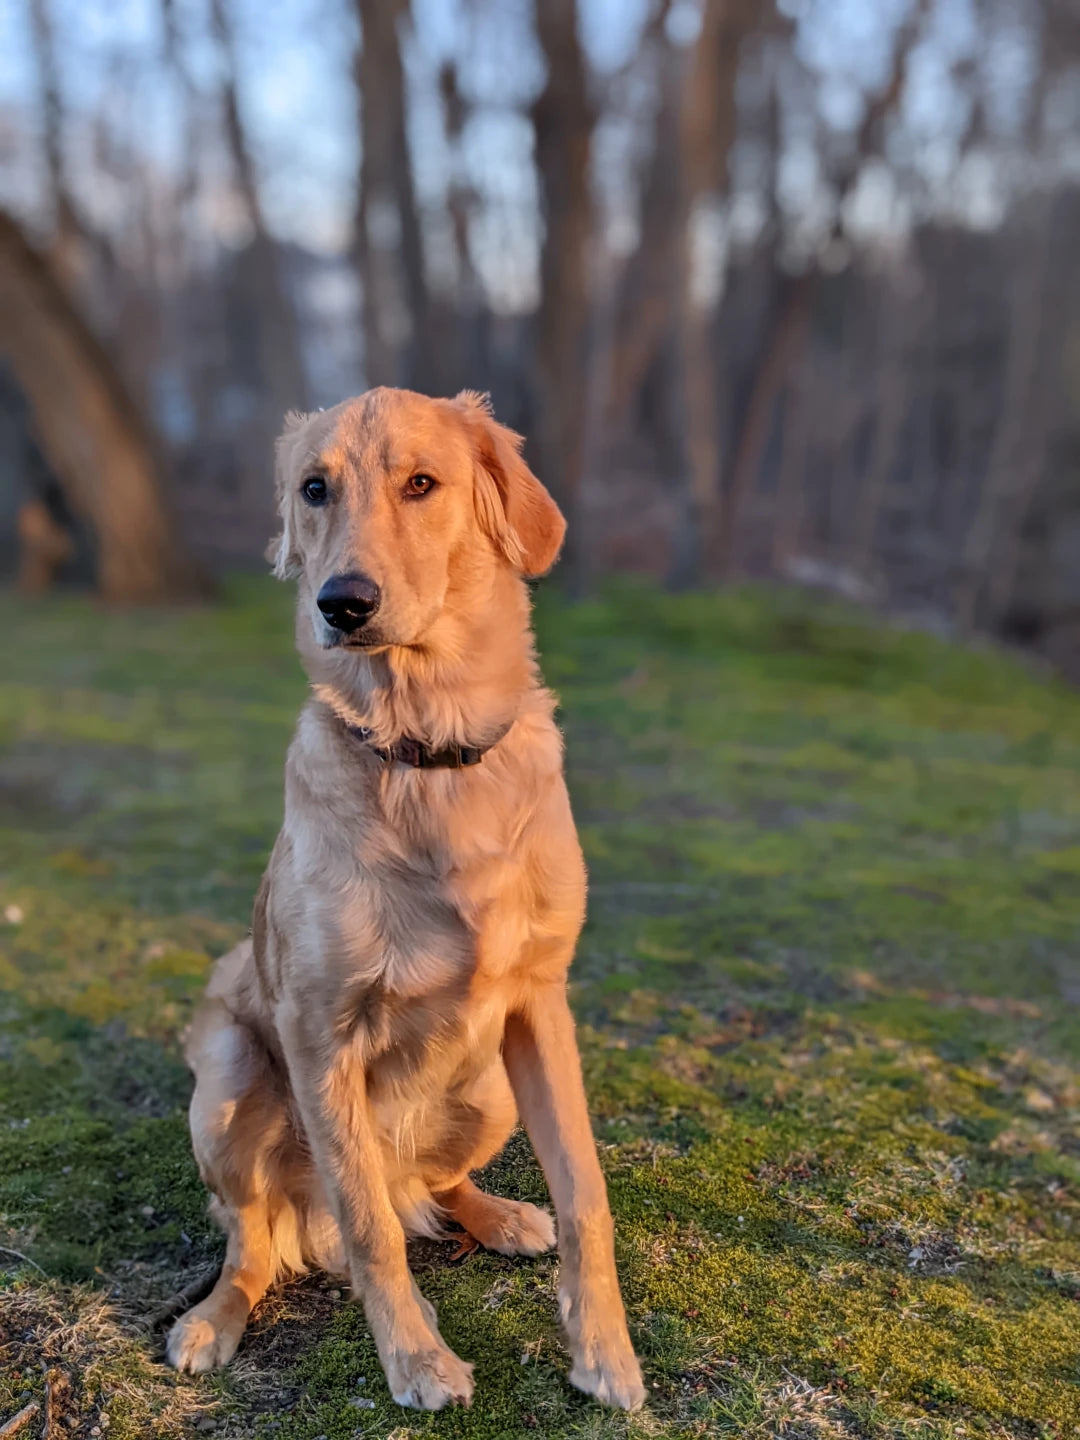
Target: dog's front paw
x=429, y=1379
x=604, y=1361
x=614, y=1379
x=199, y=1342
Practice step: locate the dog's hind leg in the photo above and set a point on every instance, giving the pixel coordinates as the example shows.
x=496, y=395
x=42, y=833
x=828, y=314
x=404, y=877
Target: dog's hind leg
x=512, y=1227
x=238, y=1118
x=208, y=1335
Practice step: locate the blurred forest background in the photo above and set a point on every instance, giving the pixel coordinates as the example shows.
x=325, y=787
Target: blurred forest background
x=776, y=288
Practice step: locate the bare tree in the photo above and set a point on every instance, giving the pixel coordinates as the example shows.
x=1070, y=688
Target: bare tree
x=563, y=118
x=897, y=311
x=694, y=129
x=707, y=124
x=1014, y=462
x=389, y=246
x=647, y=292
x=89, y=431
x=796, y=440
x=68, y=228
x=791, y=315
x=279, y=345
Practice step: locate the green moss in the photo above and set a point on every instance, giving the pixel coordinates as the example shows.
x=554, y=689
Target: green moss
x=828, y=989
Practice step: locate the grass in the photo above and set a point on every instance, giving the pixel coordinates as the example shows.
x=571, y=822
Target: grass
x=829, y=995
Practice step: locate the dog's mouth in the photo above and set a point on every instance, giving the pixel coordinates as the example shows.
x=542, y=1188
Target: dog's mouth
x=354, y=642
x=366, y=642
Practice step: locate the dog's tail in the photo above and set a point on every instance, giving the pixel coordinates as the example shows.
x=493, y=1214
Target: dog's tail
x=417, y=1209
x=306, y=1235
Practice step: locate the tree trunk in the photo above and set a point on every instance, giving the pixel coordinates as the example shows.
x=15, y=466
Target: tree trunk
x=563, y=120
x=89, y=431
x=707, y=124
x=67, y=226
x=1007, y=478
x=648, y=289
x=398, y=348
x=896, y=312
x=783, y=343
x=280, y=356
x=793, y=313
x=793, y=479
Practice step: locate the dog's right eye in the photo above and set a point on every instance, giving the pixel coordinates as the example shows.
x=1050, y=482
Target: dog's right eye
x=314, y=490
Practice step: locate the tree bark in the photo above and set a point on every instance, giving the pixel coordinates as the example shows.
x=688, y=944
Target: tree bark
x=563, y=120
x=694, y=130
x=648, y=291
x=89, y=431
x=783, y=344
x=798, y=434
x=68, y=230
x=398, y=348
x=792, y=315
x=1011, y=472
x=705, y=133
x=280, y=356
x=895, y=315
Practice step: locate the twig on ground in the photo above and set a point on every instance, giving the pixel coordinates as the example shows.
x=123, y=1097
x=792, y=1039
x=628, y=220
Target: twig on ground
x=191, y=1294
x=18, y=1255
x=16, y=1423
x=47, y=1423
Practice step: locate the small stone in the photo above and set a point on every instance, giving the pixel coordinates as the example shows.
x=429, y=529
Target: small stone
x=206, y=1423
x=362, y=1403
x=14, y=914
x=95, y=1430
x=1039, y=1101
x=104, y=1421
x=335, y=1294
x=361, y=1380
x=148, y=1211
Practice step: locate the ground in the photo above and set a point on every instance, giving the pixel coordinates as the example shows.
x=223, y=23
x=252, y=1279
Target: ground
x=829, y=996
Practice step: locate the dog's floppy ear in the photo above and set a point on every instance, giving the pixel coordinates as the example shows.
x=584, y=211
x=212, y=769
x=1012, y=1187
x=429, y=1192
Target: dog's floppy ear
x=513, y=507
x=281, y=552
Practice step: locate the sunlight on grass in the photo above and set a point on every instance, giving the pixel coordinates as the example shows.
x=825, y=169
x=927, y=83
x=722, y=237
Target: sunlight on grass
x=829, y=992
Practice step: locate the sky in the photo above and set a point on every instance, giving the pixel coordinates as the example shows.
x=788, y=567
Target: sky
x=300, y=107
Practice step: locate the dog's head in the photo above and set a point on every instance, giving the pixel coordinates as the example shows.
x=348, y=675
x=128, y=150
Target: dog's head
x=395, y=508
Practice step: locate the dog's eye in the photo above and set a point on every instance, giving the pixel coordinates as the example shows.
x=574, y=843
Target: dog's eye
x=314, y=490
x=418, y=485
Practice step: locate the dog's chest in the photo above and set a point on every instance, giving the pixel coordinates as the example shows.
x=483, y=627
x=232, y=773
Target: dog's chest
x=420, y=919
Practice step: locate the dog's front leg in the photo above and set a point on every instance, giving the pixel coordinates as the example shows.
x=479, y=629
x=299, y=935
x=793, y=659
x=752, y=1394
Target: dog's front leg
x=541, y=1055
x=329, y=1085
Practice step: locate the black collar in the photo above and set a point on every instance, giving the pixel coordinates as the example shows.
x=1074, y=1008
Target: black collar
x=408, y=751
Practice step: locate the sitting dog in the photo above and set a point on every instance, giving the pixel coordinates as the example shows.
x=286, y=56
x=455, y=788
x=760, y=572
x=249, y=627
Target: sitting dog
x=402, y=998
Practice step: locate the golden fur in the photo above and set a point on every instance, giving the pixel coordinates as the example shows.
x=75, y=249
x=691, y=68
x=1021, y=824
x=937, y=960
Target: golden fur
x=402, y=998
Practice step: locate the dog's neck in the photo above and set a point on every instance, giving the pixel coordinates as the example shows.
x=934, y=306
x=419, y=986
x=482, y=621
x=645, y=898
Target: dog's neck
x=464, y=686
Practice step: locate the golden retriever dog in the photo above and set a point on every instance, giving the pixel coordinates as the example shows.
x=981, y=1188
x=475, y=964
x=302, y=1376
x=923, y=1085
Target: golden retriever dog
x=402, y=998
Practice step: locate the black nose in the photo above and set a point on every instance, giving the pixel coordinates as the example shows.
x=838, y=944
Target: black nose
x=348, y=601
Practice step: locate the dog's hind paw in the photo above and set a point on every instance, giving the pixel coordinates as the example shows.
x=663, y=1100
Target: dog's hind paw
x=197, y=1344
x=429, y=1379
x=523, y=1230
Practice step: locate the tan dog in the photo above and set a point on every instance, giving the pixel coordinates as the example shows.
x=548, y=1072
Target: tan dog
x=403, y=996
